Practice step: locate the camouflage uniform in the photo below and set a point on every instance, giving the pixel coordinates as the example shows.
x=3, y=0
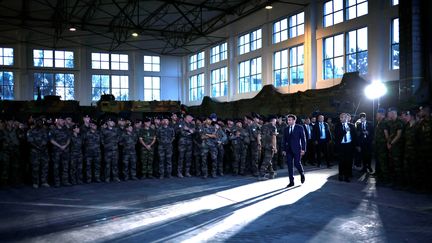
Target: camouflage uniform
x=279, y=159
x=254, y=132
x=165, y=136
x=110, y=141
x=221, y=141
x=38, y=139
x=60, y=157
x=10, y=147
x=268, y=133
x=128, y=141
x=381, y=151
x=197, y=147
x=424, y=153
x=92, y=153
x=395, y=153
x=409, y=156
x=208, y=145
x=185, y=146
x=76, y=163
x=147, y=155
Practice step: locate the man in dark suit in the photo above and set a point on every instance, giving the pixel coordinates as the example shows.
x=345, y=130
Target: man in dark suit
x=322, y=138
x=310, y=153
x=346, y=142
x=365, y=135
x=294, y=146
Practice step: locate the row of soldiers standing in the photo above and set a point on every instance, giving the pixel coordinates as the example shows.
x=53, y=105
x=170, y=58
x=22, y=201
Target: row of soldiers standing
x=92, y=152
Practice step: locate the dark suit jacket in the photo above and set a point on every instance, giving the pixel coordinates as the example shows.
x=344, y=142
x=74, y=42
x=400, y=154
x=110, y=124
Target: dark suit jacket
x=340, y=133
x=294, y=142
x=363, y=139
x=311, y=130
x=317, y=132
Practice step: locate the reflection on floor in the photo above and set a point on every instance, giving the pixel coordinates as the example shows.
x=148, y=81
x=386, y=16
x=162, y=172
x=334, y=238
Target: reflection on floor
x=233, y=209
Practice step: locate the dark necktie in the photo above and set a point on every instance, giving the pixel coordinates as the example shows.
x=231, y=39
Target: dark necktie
x=290, y=130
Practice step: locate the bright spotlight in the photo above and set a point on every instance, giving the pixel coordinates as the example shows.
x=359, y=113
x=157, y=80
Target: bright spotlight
x=375, y=90
x=72, y=29
x=135, y=34
x=268, y=6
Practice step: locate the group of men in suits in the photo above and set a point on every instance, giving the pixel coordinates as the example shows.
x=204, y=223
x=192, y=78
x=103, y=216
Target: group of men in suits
x=311, y=141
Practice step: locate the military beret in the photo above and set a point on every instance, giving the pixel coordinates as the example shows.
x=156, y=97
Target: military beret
x=409, y=113
x=392, y=109
x=75, y=126
x=146, y=119
x=213, y=116
x=381, y=110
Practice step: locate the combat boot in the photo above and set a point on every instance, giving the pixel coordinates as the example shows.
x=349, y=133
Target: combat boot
x=35, y=186
x=179, y=175
x=45, y=185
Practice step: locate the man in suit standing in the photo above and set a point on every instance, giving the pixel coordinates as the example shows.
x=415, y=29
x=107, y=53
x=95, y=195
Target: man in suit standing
x=322, y=138
x=310, y=153
x=294, y=146
x=365, y=135
x=345, y=141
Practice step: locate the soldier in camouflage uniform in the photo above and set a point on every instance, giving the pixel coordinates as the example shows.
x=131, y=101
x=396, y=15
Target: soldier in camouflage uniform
x=110, y=141
x=279, y=159
x=409, y=148
x=424, y=136
x=76, y=162
x=92, y=153
x=60, y=140
x=147, y=140
x=10, y=147
x=208, y=145
x=185, y=145
x=165, y=136
x=380, y=146
x=255, y=144
x=197, y=142
x=394, y=145
x=222, y=139
x=128, y=140
x=85, y=127
x=37, y=137
x=269, y=133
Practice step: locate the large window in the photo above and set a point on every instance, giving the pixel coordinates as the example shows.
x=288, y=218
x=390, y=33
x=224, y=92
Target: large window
x=152, y=63
x=6, y=56
x=151, y=88
x=281, y=68
x=250, y=42
x=395, y=44
x=100, y=86
x=103, y=61
x=119, y=62
x=100, y=61
x=296, y=25
x=50, y=58
x=219, y=82
x=395, y=2
x=6, y=85
x=280, y=30
x=356, y=8
x=333, y=62
x=357, y=51
x=120, y=87
x=297, y=65
x=196, y=87
x=333, y=12
x=116, y=85
x=61, y=84
x=218, y=53
x=196, y=61
x=250, y=75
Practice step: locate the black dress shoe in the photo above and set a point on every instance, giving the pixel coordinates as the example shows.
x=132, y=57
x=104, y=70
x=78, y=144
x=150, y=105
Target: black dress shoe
x=291, y=184
x=302, y=178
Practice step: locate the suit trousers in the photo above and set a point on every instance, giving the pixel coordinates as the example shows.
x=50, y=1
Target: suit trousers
x=346, y=154
x=293, y=159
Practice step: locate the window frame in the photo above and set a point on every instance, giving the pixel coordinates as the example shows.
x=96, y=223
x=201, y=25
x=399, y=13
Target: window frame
x=4, y=57
x=296, y=25
x=249, y=75
x=152, y=89
x=199, y=80
x=299, y=63
x=220, y=54
x=110, y=87
x=53, y=87
x=250, y=41
x=357, y=53
x=3, y=85
x=54, y=59
x=394, y=44
x=222, y=83
x=154, y=65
